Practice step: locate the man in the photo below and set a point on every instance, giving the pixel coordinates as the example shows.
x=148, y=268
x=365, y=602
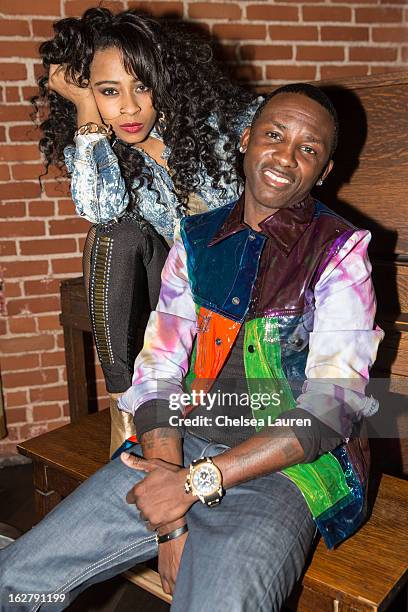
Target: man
x=277, y=289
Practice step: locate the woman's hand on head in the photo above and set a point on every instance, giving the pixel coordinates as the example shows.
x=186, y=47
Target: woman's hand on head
x=82, y=97
x=58, y=82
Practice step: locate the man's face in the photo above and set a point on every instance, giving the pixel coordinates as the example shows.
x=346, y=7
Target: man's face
x=287, y=151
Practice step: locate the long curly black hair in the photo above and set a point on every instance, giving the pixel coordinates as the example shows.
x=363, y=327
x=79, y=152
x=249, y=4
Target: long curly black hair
x=187, y=86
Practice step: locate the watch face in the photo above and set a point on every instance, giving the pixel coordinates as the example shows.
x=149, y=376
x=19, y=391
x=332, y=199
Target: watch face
x=205, y=480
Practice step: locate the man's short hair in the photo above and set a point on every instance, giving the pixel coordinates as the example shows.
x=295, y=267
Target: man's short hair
x=312, y=92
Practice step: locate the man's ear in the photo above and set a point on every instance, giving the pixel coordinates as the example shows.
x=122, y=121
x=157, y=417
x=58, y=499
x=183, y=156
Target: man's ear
x=327, y=170
x=243, y=143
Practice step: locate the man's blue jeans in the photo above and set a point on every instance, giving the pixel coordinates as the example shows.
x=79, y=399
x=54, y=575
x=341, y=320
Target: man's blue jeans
x=244, y=555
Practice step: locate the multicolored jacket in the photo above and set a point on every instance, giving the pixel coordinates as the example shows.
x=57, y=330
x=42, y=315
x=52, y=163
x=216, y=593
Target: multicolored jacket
x=302, y=289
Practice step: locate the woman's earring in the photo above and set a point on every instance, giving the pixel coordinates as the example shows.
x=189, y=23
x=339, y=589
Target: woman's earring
x=319, y=182
x=242, y=149
x=162, y=120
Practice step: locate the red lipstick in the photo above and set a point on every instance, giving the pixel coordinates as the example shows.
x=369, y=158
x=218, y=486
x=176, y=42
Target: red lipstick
x=132, y=128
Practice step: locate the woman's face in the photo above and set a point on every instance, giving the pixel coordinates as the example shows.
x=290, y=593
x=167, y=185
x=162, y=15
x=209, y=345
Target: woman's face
x=122, y=100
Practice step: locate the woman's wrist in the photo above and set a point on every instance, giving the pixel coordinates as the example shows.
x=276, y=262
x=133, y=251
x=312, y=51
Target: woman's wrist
x=87, y=111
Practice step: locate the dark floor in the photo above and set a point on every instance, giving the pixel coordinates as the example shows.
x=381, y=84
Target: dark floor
x=116, y=595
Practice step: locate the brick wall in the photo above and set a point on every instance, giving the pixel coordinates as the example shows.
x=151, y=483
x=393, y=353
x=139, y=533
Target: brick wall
x=42, y=240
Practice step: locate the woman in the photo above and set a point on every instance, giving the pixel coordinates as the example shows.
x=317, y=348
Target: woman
x=174, y=121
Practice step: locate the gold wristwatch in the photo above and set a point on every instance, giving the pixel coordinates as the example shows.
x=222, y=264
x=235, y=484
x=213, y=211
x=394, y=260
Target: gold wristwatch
x=204, y=481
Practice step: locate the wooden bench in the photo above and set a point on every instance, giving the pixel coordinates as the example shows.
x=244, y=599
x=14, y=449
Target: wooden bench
x=366, y=573
x=370, y=187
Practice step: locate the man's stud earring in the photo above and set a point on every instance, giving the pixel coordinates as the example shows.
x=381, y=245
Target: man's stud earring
x=319, y=182
x=242, y=149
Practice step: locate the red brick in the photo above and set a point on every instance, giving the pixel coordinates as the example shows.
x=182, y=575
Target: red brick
x=14, y=27
x=7, y=449
x=60, y=341
x=47, y=245
x=41, y=209
x=390, y=34
x=266, y=52
x=378, y=15
x=326, y=13
x=215, y=10
x=48, y=322
x=20, y=190
x=20, y=152
x=22, y=325
x=28, y=430
x=16, y=112
x=277, y=12
x=27, y=7
x=29, y=92
x=157, y=9
x=293, y=33
x=58, y=189
x=331, y=72
x=319, y=53
x=46, y=286
x=7, y=247
x=13, y=71
x=4, y=172
x=45, y=412
x=12, y=93
x=239, y=32
x=373, y=54
x=23, y=228
x=16, y=415
x=12, y=289
x=385, y=69
x=49, y=394
x=27, y=344
x=67, y=265
x=69, y=226
x=12, y=209
x=56, y=358
x=42, y=28
x=246, y=73
x=20, y=362
x=15, y=398
x=344, y=33
x=27, y=171
x=18, y=49
x=66, y=208
x=23, y=133
x=291, y=73
x=405, y=54
x=33, y=378
x=32, y=305
x=3, y=327
x=25, y=268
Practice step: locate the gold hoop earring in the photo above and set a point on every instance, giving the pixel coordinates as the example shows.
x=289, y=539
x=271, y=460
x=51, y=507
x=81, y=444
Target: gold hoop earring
x=162, y=119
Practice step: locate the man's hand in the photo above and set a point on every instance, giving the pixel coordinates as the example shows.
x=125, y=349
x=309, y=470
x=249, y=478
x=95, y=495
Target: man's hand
x=160, y=496
x=170, y=556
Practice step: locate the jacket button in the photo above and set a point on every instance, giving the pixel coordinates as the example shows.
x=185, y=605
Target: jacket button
x=218, y=341
x=235, y=300
x=251, y=237
x=251, y=348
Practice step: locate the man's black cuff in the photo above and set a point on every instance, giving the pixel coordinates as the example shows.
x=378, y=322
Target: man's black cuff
x=152, y=415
